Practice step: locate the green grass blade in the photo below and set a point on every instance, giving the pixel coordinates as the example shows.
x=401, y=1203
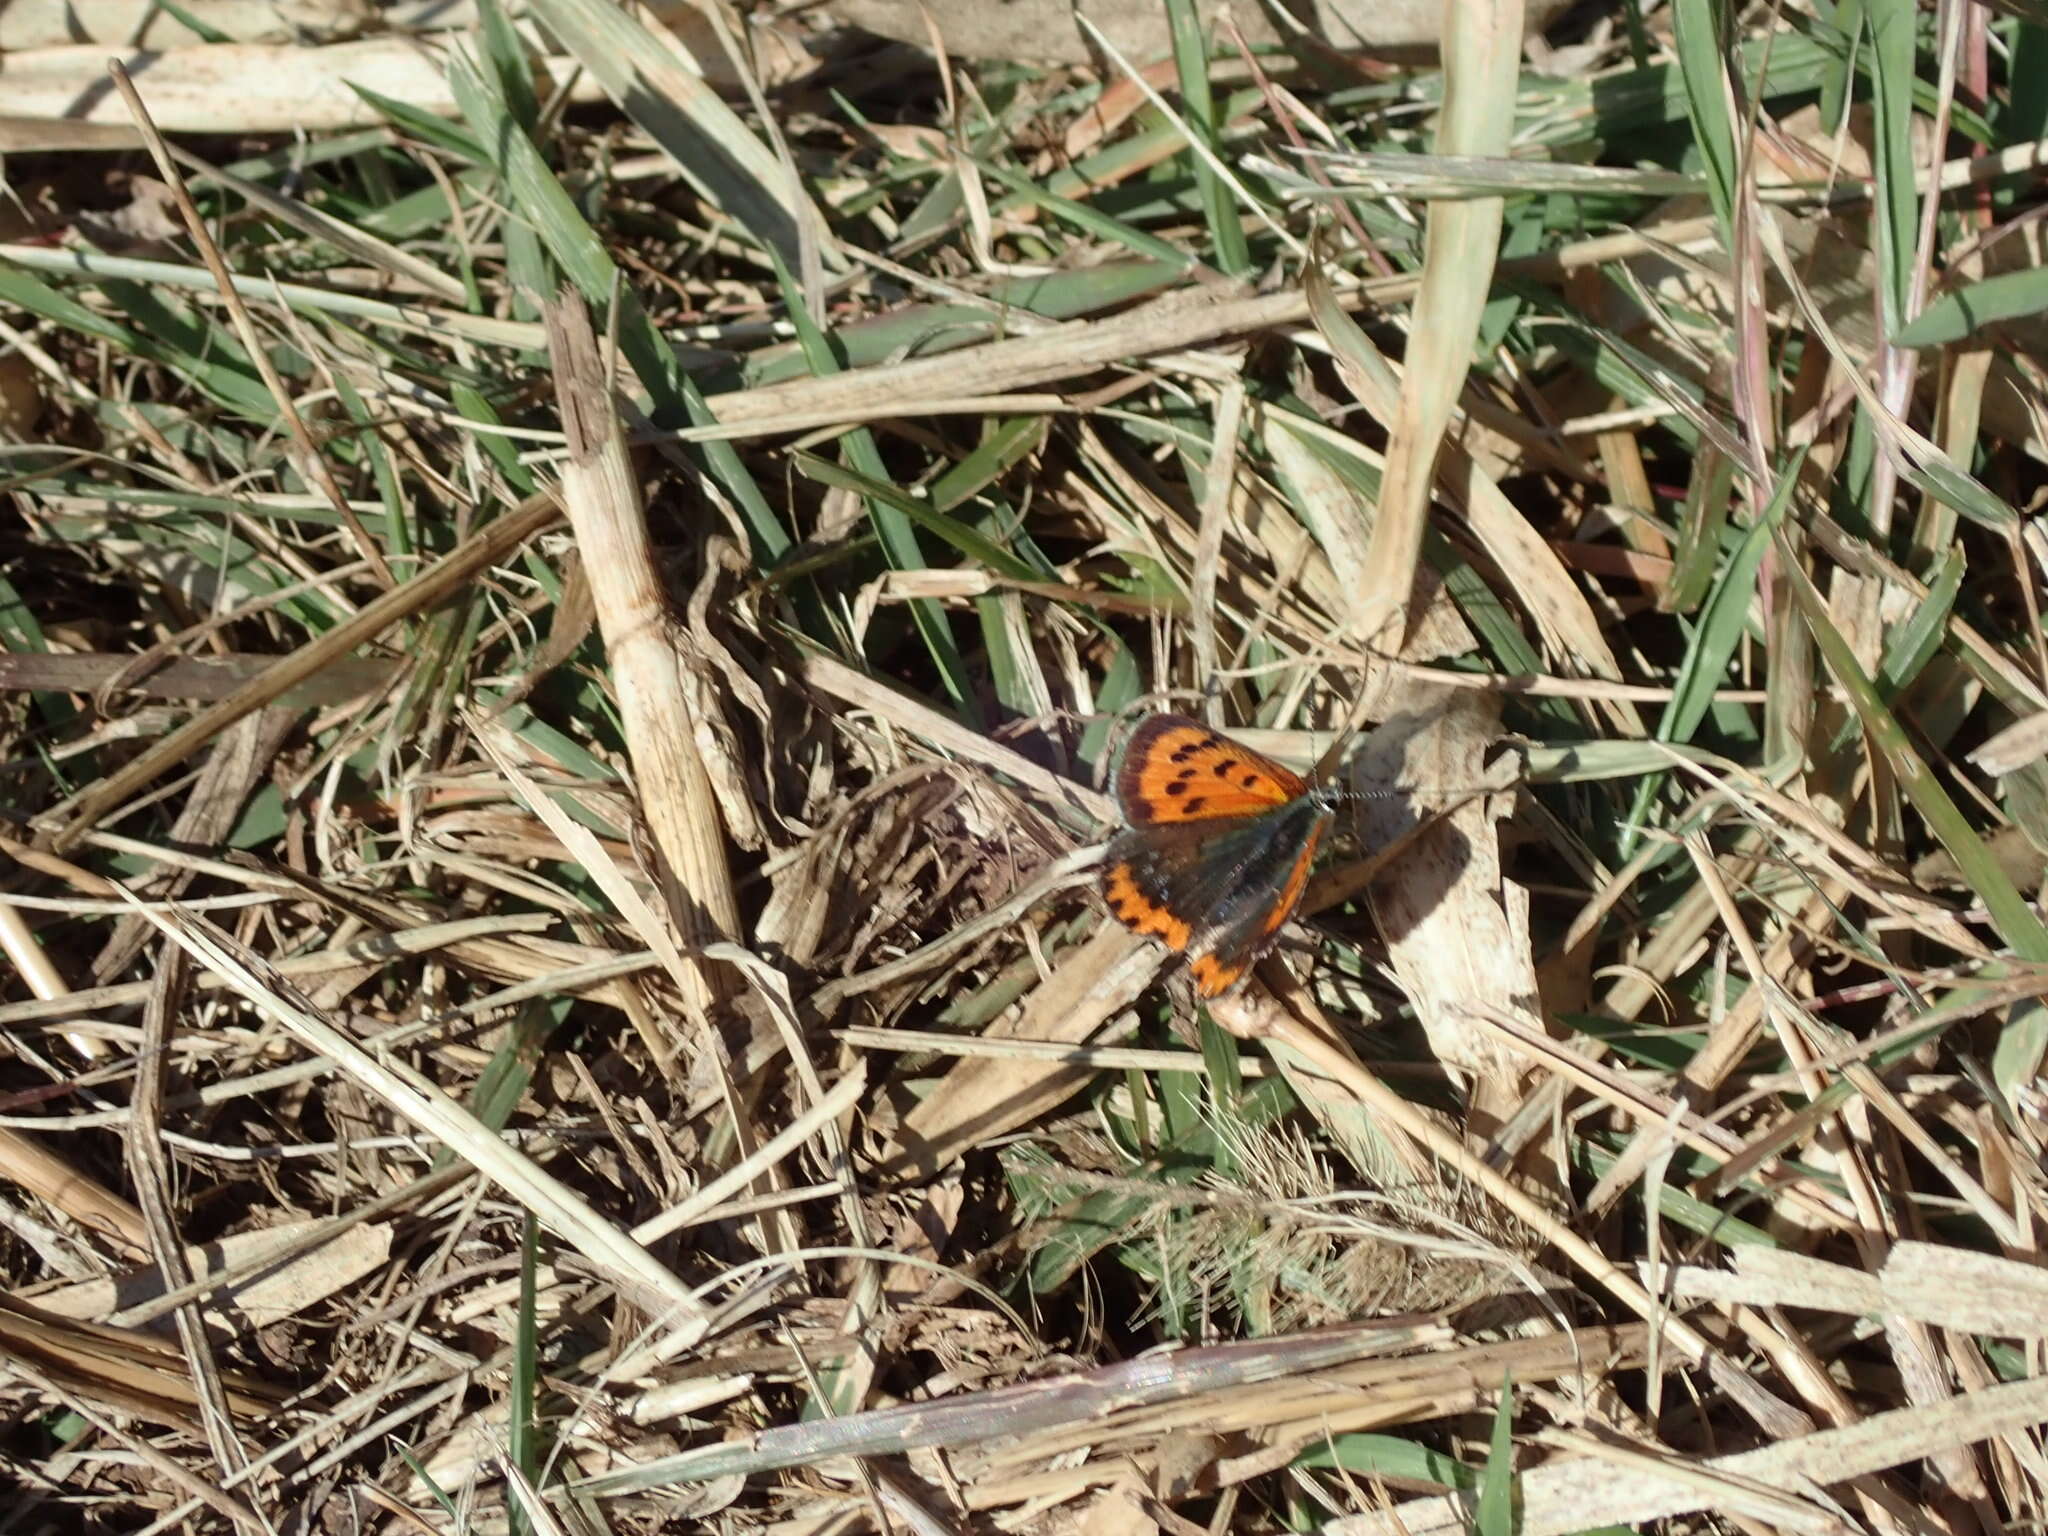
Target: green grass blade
x=522, y=1394
x=912, y=509
x=1892, y=30
x=398, y=540
x=2014, y=917
x=1963, y=312
x=1388, y=1456
x=1712, y=644
x=574, y=246
x=1724, y=619
x=1494, y=1514
x=1699, y=531
x=1227, y=244
x=1091, y=221
x=711, y=146
x=1702, y=64
x=889, y=511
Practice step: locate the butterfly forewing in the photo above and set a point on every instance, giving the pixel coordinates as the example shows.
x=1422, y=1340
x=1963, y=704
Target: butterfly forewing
x=1175, y=770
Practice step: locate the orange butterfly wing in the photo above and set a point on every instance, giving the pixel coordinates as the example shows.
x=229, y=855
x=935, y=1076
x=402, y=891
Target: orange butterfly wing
x=1174, y=769
x=1182, y=874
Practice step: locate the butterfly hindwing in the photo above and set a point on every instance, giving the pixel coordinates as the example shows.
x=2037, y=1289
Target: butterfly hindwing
x=1220, y=894
x=1176, y=770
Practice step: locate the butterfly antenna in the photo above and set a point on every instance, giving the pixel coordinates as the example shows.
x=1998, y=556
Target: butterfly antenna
x=1392, y=790
x=1458, y=791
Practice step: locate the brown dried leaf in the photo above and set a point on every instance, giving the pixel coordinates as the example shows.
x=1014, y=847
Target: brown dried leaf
x=269, y=1295
x=983, y=1097
x=1456, y=931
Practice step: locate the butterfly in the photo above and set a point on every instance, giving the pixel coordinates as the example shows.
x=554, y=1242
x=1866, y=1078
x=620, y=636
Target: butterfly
x=1216, y=849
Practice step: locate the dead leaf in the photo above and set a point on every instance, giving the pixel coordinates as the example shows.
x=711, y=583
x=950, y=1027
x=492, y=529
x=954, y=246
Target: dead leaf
x=1043, y=31
x=1456, y=931
x=1118, y=1510
x=267, y=1296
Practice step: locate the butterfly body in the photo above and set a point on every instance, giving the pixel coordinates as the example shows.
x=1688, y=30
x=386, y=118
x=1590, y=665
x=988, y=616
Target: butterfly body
x=1217, y=848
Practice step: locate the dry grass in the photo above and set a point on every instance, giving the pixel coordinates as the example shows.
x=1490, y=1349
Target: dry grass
x=560, y=634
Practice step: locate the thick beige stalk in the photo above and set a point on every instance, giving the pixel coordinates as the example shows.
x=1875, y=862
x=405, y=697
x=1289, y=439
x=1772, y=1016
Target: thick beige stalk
x=1482, y=48
x=662, y=697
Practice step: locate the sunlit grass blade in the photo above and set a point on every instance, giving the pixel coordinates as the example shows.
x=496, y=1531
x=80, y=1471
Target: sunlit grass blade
x=708, y=141
x=162, y=331
x=2015, y=918
x=1482, y=52
x=576, y=249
